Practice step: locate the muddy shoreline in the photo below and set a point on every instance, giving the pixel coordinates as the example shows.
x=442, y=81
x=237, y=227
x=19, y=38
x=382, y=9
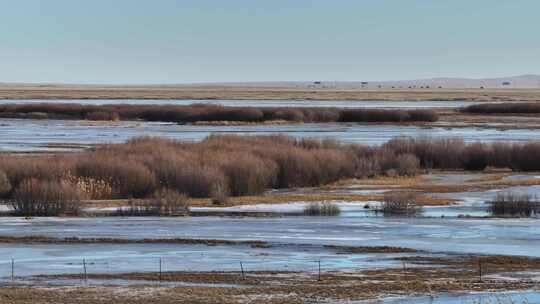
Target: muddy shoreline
x=419, y=276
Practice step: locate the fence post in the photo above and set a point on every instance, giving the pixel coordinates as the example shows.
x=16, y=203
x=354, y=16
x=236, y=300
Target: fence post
x=85, y=277
x=242, y=270
x=160, y=270
x=319, y=270
x=480, y=269
x=12, y=270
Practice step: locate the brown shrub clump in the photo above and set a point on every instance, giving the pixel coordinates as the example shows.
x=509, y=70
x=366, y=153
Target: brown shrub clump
x=248, y=174
x=205, y=112
x=45, y=198
x=105, y=116
x=236, y=165
x=503, y=108
x=377, y=115
x=165, y=202
x=170, y=202
x=19, y=168
x=456, y=154
x=401, y=204
x=322, y=209
x=5, y=185
x=513, y=205
x=127, y=177
x=217, y=167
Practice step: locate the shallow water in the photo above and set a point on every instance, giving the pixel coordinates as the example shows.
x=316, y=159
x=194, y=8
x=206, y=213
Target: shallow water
x=39, y=259
x=520, y=177
x=489, y=236
x=298, y=240
x=479, y=198
x=524, y=297
x=35, y=135
x=348, y=209
x=262, y=103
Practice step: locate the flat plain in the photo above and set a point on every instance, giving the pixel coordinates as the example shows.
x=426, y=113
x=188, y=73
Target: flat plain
x=202, y=92
x=294, y=212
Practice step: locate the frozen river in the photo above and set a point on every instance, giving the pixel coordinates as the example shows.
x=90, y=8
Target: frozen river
x=32, y=135
x=123, y=258
x=298, y=242
x=262, y=103
x=490, y=236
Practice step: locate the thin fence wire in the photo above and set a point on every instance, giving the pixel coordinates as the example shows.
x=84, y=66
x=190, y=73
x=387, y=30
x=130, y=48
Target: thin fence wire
x=85, y=269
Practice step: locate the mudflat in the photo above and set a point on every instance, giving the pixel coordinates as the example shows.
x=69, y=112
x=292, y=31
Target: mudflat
x=238, y=92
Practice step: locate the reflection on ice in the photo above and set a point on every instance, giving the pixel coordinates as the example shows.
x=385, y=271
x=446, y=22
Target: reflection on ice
x=469, y=298
x=490, y=236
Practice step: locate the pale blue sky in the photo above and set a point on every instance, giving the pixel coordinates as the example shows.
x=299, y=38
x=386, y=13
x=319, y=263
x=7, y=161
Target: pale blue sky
x=183, y=41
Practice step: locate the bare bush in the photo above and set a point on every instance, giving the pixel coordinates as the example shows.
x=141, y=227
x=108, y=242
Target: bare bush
x=525, y=157
x=401, y=204
x=165, y=202
x=289, y=114
x=503, y=108
x=501, y=155
x=513, y=205
x=45, y=198
x=297, y=168
x=104, y=116
x=377, y=115
x=219, y=194
x=128, y=178
x=431, y=153
x=322, y=209
x=92, y=188
x=423, y=115
x=170, y=202
x=196, y=180
x=220, y=166
x=18, y=168
x=204, y=112
x=5, y=185
x=248, y=174
x=476, y=157
x=407, y=165
x=402, y=164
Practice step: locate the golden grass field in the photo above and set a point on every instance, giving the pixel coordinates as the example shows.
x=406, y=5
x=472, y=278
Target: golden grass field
x=54, y=91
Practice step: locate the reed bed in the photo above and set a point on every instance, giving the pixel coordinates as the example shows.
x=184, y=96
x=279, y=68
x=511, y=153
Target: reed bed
x=454, y=153
x=513, y=205
x=217, y=167
x=233, y=165
x=503, y=108
x=211, y=113
x=401, y=204
x=165, y=202
x=322, y=209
